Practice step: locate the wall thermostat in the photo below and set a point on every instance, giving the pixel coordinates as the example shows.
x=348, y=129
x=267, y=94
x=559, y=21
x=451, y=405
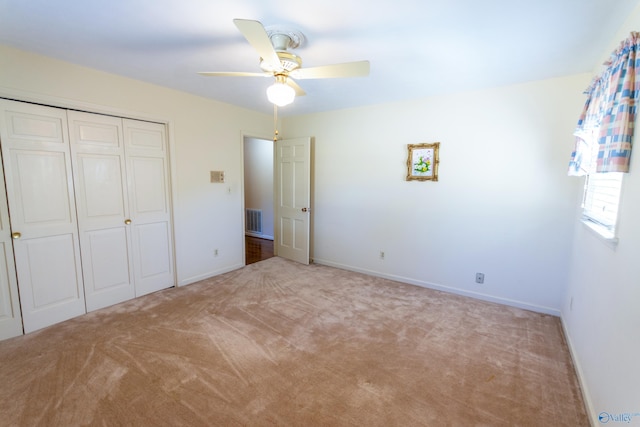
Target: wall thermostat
x=217, y=176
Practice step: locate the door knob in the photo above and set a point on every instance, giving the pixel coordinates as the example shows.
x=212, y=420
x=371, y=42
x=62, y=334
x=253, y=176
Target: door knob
x=16, y=235
x=127, y=221
x=306, y=210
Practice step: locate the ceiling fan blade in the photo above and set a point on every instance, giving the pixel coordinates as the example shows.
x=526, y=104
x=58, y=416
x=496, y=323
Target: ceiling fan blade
x=257, y=37
x=233, y=74
x=296, y=87
x=347, y=69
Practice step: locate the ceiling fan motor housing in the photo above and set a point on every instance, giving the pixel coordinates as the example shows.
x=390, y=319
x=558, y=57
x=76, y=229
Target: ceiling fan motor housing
x=283, y=39
x=288, y=61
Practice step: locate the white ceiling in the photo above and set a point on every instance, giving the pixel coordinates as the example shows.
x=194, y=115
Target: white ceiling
x=417, y=48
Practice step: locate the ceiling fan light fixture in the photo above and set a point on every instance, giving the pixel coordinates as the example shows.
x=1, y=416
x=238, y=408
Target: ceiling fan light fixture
x=280, y=93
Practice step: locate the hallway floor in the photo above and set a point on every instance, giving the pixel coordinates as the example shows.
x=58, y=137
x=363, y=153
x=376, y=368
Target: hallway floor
x=257, y=249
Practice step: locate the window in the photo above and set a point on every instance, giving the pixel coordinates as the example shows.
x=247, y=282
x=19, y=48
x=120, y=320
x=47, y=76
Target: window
x=604, y=136
x=601, y=200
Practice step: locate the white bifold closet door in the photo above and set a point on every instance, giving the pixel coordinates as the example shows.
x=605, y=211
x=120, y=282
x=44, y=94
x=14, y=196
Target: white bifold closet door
x=97, y=147
x=89, y=208
x=39, y=184
x=149, y=204
x=120, y=174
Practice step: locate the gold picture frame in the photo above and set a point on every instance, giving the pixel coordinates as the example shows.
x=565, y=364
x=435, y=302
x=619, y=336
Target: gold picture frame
x=423, y=162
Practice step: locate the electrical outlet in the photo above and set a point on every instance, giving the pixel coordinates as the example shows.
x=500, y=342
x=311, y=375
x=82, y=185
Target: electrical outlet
x=381, y=254
x=479, y=277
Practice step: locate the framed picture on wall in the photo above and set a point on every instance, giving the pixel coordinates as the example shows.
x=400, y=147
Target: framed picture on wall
x=423, y=161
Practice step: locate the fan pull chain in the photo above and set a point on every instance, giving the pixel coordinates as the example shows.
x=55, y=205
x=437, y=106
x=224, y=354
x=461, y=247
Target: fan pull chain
x=275, y=122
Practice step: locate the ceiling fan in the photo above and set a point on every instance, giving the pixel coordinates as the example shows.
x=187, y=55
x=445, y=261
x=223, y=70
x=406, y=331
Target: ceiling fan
x=272, y=43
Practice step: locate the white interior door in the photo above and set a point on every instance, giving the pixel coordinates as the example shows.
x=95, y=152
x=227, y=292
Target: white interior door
x=293, y=198
x=97, y=149
x=149, y=202
x=10, y=317
x=37, y=164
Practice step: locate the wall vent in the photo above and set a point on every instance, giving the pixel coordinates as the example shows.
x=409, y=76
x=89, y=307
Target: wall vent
x=253, y=222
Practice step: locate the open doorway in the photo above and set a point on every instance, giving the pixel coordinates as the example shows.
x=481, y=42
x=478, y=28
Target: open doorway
x=258, y=199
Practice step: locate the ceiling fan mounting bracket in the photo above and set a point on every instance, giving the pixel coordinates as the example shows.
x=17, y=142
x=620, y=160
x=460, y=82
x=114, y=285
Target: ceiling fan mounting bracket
x=284, y=38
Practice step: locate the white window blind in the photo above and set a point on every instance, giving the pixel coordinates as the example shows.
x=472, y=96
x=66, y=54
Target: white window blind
x=601, y=199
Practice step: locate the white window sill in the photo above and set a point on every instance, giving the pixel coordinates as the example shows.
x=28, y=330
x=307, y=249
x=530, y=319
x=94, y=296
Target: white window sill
x=604, y=235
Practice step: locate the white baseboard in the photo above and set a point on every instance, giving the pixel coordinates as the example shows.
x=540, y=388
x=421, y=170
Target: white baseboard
x=591, y=413
x=204, y=276
x=452, y=290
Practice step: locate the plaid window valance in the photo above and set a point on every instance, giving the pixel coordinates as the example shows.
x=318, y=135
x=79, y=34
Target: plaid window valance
x=605, y=129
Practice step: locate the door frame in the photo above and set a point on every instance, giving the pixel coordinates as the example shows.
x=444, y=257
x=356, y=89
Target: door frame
x=244, y=136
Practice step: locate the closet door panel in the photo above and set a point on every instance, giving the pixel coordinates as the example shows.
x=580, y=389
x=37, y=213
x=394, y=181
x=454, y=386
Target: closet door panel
x=110, y=268
x=42, y=198
x=45, y=265
x=101, y=188
x=99, y=173
x=148, y=184
x=148, y=187
x=155, y=254
x=10, y=315
x=37, y=164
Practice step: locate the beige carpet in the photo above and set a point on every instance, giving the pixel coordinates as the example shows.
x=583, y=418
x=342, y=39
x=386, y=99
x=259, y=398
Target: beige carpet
x=278, y=343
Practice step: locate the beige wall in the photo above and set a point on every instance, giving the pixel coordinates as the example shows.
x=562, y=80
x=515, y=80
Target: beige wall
x=601, y=311
x=503, y=204
x=205, y=135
